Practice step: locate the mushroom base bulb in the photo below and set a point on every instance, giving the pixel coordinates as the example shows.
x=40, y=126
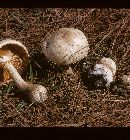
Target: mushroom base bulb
x=38, y=93
x=65, y=46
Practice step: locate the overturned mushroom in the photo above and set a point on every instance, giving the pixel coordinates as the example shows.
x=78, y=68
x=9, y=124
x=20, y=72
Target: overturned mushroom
x=106, y=69
x=65, y=46
x=19, y=59
x=37, y=93
x=13, y=60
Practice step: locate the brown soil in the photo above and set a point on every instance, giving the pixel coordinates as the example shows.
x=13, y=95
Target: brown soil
x=71, y=103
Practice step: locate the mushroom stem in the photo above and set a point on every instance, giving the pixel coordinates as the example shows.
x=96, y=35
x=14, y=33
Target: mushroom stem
x=16, y=77
x=70, y=71
x=37, y=93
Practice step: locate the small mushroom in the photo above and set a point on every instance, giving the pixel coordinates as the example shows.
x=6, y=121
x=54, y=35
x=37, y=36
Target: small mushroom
x=126, y=80
x=19, y=59
x=106, y=69
x=65, y=46
x=37, y=93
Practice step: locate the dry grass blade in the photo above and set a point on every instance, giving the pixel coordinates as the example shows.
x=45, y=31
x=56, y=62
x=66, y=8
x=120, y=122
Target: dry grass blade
x=31, y=73
x=8, y=88
x=21, y=113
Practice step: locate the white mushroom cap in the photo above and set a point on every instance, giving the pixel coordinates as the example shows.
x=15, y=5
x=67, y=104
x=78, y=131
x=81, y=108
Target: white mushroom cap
x=20, y=57
x=106, y=68
x=110, y=64
x=66, y=46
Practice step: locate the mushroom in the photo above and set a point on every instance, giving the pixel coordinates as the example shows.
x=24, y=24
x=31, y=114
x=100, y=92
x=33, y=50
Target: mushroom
x=126, y=79
x=20, y=58
x=65, y=46
x=37, y=93
x=106, y=70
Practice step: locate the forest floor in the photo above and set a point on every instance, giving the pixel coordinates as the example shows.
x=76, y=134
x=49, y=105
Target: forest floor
x=70, y=103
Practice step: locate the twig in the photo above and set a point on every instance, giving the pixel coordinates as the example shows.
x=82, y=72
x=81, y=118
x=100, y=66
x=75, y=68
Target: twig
x=112, y=30
x=116, y=100
x=18, y=19
x=81, y=18
x=7, y=19
x=19, y=114
x=6, y=24
x=36, y=63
